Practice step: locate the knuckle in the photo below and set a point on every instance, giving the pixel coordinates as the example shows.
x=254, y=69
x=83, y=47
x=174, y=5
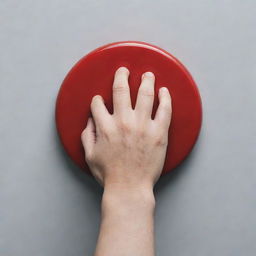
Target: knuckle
x=125, y=126
x=105, y=132
x=147, y=92
x=120, y=87
x=161, y=141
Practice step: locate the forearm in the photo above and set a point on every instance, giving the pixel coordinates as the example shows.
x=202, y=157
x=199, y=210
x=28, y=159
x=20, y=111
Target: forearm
x=127, y=224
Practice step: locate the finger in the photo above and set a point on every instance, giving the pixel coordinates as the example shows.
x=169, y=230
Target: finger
x=99, y=111
x=88, y=138
x=164, y=110
x=145, y=97
x=121, y=91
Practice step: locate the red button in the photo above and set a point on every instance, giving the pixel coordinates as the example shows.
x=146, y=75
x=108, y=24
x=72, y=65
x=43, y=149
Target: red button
x=94, y=74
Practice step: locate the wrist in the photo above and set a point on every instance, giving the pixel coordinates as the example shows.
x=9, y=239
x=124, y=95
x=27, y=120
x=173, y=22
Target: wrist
x=123, y=196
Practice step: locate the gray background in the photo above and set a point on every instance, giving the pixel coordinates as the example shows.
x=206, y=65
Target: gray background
x=47, y=206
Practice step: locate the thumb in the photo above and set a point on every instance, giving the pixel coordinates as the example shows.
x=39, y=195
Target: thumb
x=88, y=138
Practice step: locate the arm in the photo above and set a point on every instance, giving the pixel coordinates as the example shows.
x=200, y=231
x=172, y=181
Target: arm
x=125, y=152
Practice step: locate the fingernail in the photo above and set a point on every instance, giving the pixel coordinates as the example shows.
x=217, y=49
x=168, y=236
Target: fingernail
x=163, y=89
x=148, y=74
x=123, y=69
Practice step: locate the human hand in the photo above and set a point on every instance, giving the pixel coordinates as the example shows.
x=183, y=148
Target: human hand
x=128, y=147
x=125, y=152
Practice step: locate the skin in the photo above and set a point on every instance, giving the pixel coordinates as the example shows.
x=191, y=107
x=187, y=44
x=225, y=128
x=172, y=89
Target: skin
x=125, y=152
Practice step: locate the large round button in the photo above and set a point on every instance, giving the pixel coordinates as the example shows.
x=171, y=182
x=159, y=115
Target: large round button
x=94, y=74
